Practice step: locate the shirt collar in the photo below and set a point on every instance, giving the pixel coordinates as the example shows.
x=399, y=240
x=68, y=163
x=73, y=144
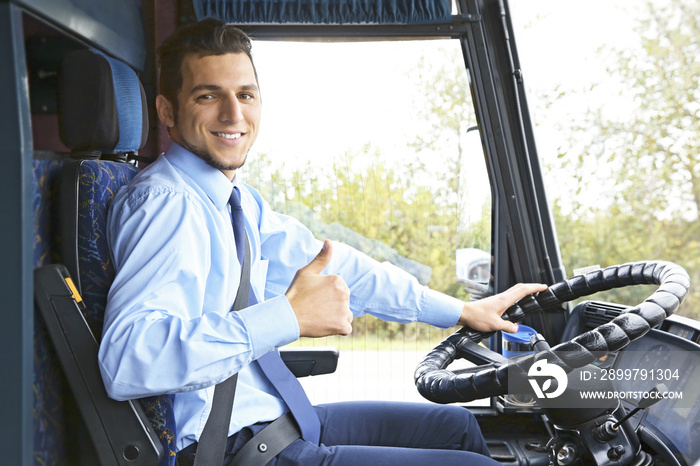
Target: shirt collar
x=211, y=180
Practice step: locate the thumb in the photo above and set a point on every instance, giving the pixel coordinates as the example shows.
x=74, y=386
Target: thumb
x=321, y=260
x=509, y=327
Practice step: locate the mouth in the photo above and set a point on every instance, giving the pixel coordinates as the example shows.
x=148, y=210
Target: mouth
x=229, y=136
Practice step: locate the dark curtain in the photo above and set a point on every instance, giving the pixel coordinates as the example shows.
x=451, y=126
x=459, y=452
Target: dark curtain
x=326, y=11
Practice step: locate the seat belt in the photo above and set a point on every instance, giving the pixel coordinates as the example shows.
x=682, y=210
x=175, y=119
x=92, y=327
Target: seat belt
x=269, y=442
x=212, y=442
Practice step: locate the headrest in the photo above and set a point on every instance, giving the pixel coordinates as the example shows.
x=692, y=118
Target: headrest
x=101, y=105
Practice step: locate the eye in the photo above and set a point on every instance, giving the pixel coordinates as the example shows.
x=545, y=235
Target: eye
x=205, y=97
x=246, y=96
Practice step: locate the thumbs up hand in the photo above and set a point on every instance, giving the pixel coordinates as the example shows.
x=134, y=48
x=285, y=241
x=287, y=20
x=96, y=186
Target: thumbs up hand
x=321, y=302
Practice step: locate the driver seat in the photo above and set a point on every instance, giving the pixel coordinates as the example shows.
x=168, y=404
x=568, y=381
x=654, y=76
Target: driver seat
x=103, y=119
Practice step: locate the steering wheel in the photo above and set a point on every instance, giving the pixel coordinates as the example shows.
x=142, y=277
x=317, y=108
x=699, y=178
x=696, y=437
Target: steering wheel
x=441, y=385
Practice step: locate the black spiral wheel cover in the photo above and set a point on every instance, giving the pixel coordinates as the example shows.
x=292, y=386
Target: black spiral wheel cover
x=438, y=384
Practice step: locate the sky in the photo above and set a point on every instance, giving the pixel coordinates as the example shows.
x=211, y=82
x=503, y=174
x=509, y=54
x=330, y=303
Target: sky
x=568, y=46
x=323, y=103
x=321, y=100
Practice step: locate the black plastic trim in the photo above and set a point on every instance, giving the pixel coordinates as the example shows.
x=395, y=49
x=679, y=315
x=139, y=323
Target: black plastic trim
x=113, y=27
x=303, y=362
x=119, y=430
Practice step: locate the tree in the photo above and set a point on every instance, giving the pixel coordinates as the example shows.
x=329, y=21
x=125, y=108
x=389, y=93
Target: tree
x=650, y=155
x=374, y=209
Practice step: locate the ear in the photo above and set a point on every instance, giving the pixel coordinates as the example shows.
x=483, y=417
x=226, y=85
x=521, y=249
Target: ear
x=165, y=111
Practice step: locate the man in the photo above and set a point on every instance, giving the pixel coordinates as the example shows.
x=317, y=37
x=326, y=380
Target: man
x=168, y=328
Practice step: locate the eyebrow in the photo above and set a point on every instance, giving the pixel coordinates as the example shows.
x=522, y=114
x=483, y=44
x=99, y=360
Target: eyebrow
x=214, y=87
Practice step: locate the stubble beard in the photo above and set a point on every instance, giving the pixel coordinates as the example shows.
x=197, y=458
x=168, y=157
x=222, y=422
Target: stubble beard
x=210, y=160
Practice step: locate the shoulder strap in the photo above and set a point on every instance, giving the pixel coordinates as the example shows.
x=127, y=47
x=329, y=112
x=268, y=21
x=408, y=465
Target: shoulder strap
x=212, y=442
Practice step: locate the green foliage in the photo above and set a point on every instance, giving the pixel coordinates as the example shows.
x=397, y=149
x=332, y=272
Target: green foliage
x=376, y=208
x=647, y=161
x=612, y=237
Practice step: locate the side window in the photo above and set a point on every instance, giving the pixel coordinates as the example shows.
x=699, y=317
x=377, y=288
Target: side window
x=367, y=143
x=617, y=120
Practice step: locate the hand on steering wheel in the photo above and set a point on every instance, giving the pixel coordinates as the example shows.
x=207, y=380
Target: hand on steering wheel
x=485, y=314
x=436, y=383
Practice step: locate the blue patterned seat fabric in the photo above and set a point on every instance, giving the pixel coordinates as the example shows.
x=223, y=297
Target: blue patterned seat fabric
x=51, y=415
x=98, y=181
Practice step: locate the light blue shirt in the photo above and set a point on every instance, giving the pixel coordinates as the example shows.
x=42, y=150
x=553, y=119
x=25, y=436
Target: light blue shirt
x=167, y=326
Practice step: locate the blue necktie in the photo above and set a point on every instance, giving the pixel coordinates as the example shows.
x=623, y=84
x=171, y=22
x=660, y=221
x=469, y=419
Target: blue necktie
x=271, y=363
x=238, y=222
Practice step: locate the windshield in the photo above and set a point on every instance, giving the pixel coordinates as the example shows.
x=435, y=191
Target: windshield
x=368, y=144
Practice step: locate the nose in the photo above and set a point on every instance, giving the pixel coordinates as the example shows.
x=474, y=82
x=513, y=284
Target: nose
x=230, y=110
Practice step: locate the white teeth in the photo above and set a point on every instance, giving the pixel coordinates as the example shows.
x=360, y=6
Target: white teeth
x=228, y=135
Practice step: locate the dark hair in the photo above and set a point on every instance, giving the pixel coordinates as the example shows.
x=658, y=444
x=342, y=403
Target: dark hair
x=204, y=38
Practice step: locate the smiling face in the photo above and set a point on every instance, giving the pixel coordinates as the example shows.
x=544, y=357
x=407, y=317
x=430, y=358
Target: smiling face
x=218, y=111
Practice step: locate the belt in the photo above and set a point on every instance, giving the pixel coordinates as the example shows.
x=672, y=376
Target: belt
x=260, y=449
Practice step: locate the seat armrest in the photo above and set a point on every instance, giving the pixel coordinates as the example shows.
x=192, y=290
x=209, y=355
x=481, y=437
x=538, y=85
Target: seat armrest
x=310, y=361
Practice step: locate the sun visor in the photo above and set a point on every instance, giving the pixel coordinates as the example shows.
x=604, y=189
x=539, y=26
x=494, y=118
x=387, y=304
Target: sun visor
x=325, y=11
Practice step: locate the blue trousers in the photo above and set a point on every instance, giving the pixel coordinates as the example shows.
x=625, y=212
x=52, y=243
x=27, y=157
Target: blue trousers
x=385, y=433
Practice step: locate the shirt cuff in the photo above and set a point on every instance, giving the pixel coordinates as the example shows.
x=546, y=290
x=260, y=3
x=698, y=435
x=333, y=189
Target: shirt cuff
x=270, y=324
x=439, y=309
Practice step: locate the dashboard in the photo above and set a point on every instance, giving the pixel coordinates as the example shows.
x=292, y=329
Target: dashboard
x=670, y=356
x=672, y=365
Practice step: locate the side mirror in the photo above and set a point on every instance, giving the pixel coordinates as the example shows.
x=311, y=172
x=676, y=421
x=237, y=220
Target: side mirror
x=474, y=272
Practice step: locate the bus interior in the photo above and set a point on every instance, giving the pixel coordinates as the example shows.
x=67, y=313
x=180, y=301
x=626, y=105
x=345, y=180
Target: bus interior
x=79, y=121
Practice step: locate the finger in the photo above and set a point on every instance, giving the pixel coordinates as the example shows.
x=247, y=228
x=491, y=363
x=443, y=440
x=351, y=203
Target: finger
x=347, y=330
x=521, y=290
x=517, y=292
x=321, y=260
x=346, y=326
